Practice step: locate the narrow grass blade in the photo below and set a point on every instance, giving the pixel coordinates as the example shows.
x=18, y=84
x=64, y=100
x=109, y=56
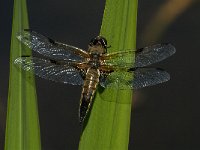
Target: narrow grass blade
x=22, y=126
x=108, y=126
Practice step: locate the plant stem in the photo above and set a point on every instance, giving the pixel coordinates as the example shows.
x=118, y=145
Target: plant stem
x=22, y=125
x=109, y=122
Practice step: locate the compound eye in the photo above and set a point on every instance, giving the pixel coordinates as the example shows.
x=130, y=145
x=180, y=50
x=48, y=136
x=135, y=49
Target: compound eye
x=99, y=40
x=95, y=42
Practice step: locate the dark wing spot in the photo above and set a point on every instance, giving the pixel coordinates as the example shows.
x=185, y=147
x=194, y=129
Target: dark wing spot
x=26, y=56
x=131, y=69
x=52, y=41
x=54, y=62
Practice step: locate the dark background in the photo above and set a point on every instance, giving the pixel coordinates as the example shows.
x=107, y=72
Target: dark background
x=164, y=117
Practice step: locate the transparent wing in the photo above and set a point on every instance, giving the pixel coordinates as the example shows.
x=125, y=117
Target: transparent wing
x=117, y=80
x=143, y=57
x=51, y=48
x=139, y=78
x=153, y=54
x=120, y=59
x=144, y=77
x=51, y=71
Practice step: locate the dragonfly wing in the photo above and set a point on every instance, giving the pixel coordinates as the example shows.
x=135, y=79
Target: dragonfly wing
x=143, y=57
x=51, y=48
x=117, y=80
x=119, y=59
x=144, y=77
x=139, y=78
x=153, y=54
x=51, y=71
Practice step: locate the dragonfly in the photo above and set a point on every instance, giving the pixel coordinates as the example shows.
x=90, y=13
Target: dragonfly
x=92, y=67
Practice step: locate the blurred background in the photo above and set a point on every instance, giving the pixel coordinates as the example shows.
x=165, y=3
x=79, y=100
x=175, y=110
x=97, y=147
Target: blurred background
x=165, y=116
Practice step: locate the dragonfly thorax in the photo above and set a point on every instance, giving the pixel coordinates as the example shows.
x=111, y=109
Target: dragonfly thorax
x=96, y=50
x=94, y=61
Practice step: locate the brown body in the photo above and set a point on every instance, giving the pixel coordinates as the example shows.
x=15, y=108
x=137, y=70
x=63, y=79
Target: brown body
x=89, y=87
x=93, y=63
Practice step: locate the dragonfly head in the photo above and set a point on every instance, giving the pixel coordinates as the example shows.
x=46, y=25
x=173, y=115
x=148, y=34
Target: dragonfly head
x=99, y=41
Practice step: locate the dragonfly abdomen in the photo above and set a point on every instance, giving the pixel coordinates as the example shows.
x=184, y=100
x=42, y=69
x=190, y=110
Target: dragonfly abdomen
x=89, y=87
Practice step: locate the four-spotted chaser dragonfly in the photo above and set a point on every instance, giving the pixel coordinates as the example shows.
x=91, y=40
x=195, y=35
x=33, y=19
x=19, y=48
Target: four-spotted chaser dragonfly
x=71, y=65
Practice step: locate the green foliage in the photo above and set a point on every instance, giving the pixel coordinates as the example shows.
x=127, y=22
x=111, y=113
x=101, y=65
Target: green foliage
x=22, y=126
x=109, y=122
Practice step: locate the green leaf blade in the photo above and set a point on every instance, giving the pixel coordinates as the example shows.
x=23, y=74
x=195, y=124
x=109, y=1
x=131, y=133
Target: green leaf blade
x=109, y=121
x=22, y=125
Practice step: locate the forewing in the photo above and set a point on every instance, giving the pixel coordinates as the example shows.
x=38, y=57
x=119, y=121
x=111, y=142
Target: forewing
x=119, y=59
x=47, y=70
x=143, y=57
x=51, y=48
x=141, y=77
x=153, y=54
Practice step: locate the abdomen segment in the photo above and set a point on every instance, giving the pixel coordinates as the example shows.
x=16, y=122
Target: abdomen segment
x=89, y=89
